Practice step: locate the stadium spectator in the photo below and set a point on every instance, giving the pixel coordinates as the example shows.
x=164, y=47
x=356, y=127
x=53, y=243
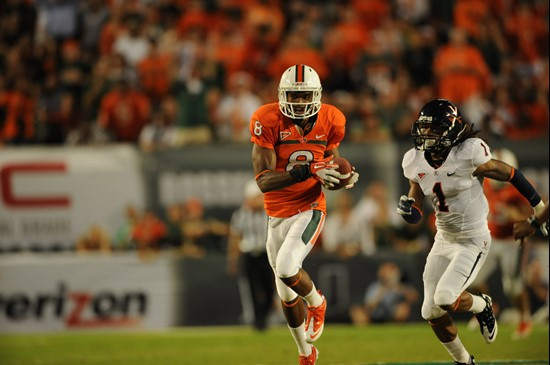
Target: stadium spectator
x=124, y=235
x=123, y=112
x=95, y=239
x=388, y=299
x=161, y=133
x=148, y=233
x=154, y=72
x=235, y=108
x=201, y=234
x=131, y=42
x=17, y=112
x=247, y=250
x=342, y=232
x=372, y=213
x=460, y=69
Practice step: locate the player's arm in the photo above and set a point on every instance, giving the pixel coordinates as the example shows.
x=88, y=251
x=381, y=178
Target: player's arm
x=498, y=170
x=264, y=161
x=407, y=208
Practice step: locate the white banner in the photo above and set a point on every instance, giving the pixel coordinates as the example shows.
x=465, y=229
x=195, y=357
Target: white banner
x=71, y=292
x=50, y=196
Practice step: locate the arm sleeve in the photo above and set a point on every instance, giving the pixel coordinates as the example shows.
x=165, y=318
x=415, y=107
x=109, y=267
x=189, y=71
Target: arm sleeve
x=338, y=129
x=260, y=132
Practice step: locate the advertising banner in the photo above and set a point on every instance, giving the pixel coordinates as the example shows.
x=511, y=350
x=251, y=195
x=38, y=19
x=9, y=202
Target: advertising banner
x=61, y=292
x=50, y=196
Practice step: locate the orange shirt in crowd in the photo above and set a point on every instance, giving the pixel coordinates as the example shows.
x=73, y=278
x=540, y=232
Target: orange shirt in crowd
x=469, y=14
x=17, y=108
x=461, y=72
x=270, y=129
x=154, y=75
x=124, y=114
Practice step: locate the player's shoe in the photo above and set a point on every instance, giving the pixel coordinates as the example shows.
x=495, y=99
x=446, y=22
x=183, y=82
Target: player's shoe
x=487, y=321
x=523, y=330
x=311, y=359
x=471, y=362
x=315, y=321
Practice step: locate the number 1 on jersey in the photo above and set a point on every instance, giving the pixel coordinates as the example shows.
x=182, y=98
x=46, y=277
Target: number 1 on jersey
x=438, y=191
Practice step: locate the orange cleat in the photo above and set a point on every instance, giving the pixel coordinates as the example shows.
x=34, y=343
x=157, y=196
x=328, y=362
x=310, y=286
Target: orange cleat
x=311, y=359
x=315, y=321
x=523, y=330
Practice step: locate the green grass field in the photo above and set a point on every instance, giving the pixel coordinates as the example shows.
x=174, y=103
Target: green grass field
x=339, y=345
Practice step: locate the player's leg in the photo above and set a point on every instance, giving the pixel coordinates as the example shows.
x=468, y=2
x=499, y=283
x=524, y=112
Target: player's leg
x=439, y=320
x=299, y=241
x=467, y=258
x=293, y=306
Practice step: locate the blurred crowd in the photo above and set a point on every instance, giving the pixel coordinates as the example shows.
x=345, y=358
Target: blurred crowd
x=168, y=73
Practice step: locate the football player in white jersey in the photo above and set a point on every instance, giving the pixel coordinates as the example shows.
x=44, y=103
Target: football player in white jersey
x=447, y=165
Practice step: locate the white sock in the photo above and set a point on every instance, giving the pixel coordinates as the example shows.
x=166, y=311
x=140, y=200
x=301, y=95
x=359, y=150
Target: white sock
x=457, y=350
x=299, y=335
x=313, y=299
x=478, y=304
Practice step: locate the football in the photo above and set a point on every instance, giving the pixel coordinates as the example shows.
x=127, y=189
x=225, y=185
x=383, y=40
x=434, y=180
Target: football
x=344, y=167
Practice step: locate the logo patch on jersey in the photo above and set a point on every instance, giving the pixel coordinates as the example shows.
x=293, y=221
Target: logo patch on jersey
x=450, y=174
x=283, y=135
x=421, y=175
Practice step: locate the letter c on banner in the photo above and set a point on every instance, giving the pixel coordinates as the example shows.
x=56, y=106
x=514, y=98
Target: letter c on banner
x=8, y=196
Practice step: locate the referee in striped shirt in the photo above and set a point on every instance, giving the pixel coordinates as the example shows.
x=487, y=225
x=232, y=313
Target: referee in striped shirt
x=247, y=238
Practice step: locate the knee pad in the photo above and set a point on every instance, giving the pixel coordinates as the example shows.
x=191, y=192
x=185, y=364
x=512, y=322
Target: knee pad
x=286, y=266
x=444, y=297
x=431, y=312
x=285, y=293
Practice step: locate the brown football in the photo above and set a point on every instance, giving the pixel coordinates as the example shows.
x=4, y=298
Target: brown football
x=344, y=167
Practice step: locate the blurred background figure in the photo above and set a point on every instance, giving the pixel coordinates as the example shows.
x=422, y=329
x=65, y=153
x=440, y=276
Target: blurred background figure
x=387, y=299
x=342, y=232
x=247, y=257
x=96, y=239
x=506, y=206
x=148, y=233
x=373, y=217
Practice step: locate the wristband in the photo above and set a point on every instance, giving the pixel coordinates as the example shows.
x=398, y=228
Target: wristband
x=414, y=217
x=524, y=187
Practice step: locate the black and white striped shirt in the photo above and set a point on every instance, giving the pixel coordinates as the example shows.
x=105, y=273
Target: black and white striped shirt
x=252, y=225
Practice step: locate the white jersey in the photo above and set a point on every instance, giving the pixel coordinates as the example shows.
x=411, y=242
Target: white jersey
x=456, y=196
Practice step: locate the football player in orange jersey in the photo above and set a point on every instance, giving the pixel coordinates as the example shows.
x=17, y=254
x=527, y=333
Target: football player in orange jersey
x=293, y=144
x=506, y=206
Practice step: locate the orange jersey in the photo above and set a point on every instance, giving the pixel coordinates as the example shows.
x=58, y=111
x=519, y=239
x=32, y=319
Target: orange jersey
x=269, y=128
x=500, y=224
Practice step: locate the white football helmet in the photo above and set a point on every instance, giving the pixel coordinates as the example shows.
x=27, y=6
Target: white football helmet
x=300, y=78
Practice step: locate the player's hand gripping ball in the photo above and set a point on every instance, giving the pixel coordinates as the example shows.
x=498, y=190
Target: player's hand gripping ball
x=346, y=171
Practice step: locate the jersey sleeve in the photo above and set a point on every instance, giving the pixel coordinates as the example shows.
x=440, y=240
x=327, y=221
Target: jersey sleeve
x=477, y=151
x=408, y=165
x=261, y=130
x=338, y=130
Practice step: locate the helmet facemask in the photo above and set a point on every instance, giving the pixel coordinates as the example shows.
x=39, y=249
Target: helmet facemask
x=308, y=106
x=438, y=127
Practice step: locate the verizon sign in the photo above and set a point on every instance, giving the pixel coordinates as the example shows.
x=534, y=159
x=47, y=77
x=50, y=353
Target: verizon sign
x=50, y=196
x=70, y=292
